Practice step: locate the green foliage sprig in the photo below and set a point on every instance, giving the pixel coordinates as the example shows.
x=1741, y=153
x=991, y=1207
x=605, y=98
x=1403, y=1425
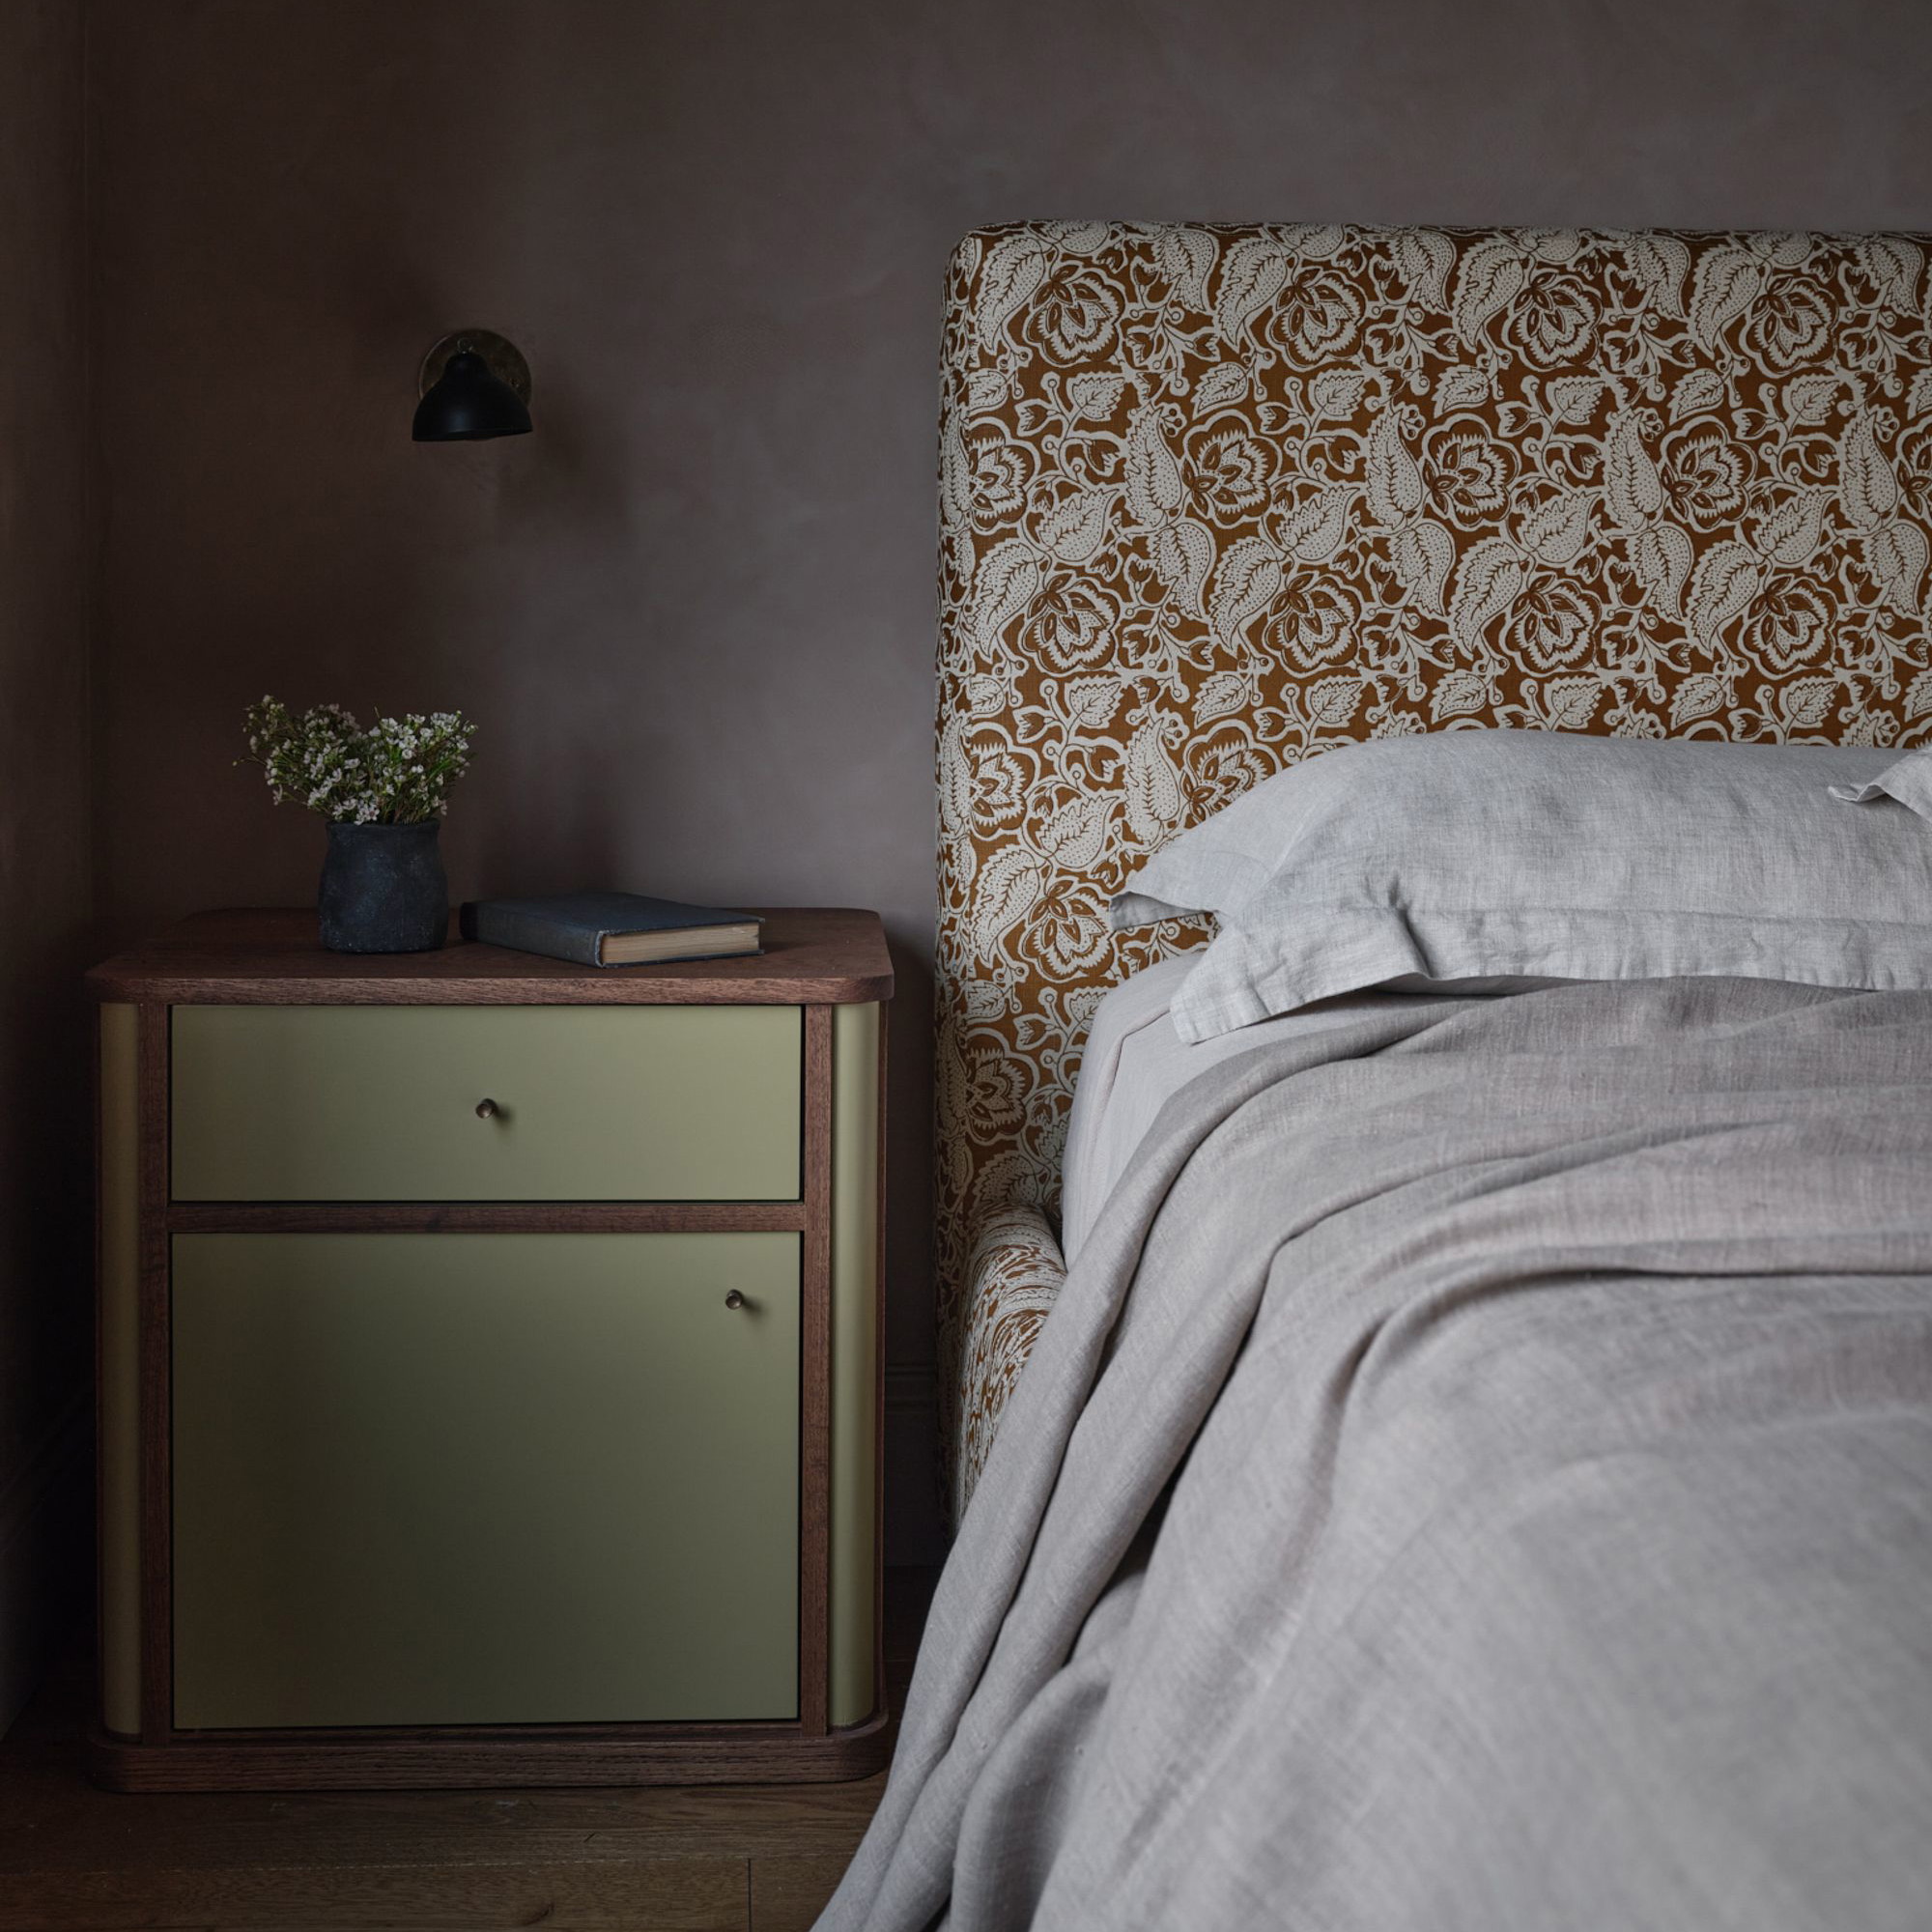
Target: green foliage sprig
x=398, y=772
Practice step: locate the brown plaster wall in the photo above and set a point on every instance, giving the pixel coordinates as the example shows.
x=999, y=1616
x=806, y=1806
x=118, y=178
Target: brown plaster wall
x=44, y=884
x=693, y=615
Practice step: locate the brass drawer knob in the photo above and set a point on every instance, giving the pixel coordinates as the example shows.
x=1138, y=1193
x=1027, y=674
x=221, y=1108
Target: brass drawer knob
x=734, y=1299
x=486, y=1110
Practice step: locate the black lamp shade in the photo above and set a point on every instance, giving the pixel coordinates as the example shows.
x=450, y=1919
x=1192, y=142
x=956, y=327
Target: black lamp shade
x=467, y=403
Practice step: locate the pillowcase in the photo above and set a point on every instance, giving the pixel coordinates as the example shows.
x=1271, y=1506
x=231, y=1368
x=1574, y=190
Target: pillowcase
x=1909, y=782
x=1505, y=855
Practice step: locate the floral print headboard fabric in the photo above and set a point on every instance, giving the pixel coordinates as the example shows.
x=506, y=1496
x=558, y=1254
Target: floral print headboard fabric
x=1215, y=499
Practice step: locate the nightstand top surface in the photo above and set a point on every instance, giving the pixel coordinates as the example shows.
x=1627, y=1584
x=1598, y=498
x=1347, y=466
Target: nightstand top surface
x=814, y=956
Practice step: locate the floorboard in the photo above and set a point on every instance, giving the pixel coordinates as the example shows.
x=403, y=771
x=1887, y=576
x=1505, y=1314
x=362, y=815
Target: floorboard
x=787, y=1894
x=747, y=1858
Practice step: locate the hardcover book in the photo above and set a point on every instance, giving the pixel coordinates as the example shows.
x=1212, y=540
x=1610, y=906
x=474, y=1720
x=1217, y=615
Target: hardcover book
x=611, y=928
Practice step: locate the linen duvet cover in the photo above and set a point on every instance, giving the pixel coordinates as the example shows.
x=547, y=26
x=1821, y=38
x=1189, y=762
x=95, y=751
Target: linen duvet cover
x=1478, y=1474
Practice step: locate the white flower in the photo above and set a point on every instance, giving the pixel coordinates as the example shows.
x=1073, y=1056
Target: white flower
x=398, y=772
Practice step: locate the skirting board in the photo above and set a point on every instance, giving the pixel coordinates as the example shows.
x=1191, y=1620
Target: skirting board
x=46, y=1515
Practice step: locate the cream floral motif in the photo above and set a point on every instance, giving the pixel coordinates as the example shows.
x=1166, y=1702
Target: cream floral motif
x=1016, y=1274
x=1213, y=499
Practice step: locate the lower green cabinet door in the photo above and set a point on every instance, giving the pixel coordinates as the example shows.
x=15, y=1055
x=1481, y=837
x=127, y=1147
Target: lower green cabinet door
x=476, y=1479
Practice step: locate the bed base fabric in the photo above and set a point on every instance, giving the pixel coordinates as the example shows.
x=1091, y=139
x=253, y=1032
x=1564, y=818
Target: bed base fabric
x=1013, y=1277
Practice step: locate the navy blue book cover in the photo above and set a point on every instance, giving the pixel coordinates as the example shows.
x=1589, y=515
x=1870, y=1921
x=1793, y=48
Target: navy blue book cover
x=576, y=925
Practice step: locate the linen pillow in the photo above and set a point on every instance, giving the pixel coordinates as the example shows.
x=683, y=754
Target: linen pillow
x=1510, y=855
x=1909, y=782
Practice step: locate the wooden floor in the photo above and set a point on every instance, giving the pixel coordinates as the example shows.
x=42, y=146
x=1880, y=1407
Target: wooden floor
x=704, y=1859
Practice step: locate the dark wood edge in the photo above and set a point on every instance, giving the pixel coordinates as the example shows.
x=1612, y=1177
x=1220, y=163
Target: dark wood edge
x=154, y=1318
x=815, y=955
x=879, y=1379
x=112, y=982
x=667, y=1730
x=483, y=1760
x=814, y=1434
x=534, y=1218
x=100, y=1389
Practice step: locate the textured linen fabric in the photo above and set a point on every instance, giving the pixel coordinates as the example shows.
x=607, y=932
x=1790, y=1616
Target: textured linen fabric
x=1477, y=1475
x=1909, y=783
x=1135, y=1062
x=1470, y=854
x=1213, y=499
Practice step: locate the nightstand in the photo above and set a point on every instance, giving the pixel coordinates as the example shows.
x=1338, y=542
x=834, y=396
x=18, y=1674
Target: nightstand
x=490, y=1362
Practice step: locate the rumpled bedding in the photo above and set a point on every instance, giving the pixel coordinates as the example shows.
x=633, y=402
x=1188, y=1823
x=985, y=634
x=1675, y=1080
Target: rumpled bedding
x=1478, y=1474
x=1133, y=1062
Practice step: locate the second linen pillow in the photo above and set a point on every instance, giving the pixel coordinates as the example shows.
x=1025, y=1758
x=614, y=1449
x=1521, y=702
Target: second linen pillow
x=1485, y=854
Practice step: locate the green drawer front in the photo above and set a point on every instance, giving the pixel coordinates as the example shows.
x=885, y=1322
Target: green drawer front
x=378, y=1103
x=468, y=1479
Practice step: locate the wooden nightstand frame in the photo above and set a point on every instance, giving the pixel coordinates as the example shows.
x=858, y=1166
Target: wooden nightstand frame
x=819, y=961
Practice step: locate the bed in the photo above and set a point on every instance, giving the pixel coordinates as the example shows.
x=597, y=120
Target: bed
x=1472, y=1465
x=1216, y=499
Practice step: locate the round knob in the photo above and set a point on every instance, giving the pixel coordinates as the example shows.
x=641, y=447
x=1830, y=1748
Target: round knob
x=486, y=1110
x=734, y=1299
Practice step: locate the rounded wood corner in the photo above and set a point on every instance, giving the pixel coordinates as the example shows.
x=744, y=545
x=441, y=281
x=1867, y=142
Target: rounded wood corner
x=112, y=1761
x=862, y=1748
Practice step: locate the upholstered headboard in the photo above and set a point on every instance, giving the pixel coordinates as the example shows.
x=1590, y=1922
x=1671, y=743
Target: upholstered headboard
x=1215, y=499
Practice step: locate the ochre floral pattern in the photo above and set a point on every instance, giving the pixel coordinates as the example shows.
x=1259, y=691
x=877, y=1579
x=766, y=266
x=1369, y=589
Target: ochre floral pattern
x=1017, y=1271
x=1213, y=499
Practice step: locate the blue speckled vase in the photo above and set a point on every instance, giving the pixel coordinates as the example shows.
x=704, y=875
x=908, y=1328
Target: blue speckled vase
x=383, y=889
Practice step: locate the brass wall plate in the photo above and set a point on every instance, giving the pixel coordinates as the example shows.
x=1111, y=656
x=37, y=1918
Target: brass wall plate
x=504, y=358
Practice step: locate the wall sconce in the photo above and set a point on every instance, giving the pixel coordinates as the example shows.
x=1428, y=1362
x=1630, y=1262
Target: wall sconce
x=473, y=385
